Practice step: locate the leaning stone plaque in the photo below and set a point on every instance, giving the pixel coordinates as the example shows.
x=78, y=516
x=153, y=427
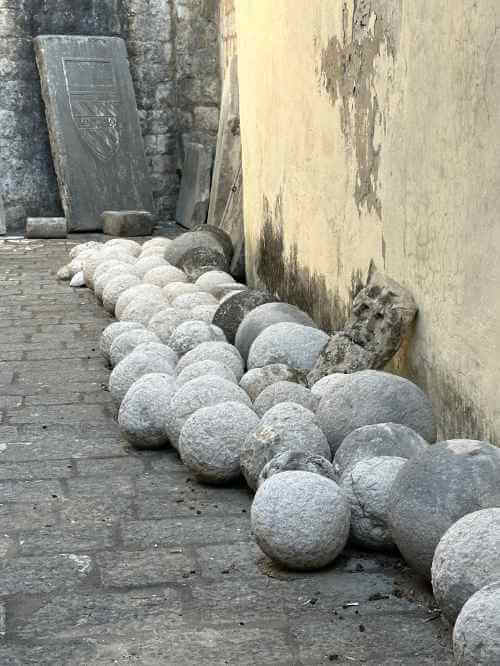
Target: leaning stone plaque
x=94, y=128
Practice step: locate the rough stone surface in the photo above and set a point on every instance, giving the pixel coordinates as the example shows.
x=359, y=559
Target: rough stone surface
x=285, y=391
x=192, y=333
x=163, y=275
x=297, y=461
x=435, y=489
x=175, y=289
x=212, y=279
x=220, y=235
x=127, y=296
x=369, y=397
x=340, y=355
x=117, y=270
x=125, y=342
x=216, y=351
x=189, y=301
x=158, y=243
x=125, y=244
x=476, y=636
x=325, y=384
x=115, y=288
x=204, y=313
x=194, y=195
x=294, y=345
x=96, y=258
x=106, y=265
x=235, y=308
x=256, y=380
x=135, y=365
x=46, y=227
x=143, y=308
x=207, y=367
x=145, y=264
x=367, y=486
x=300, y=520
x=188, y=241
x=112, y=331
x=211, y=439
x=127, y=222
x=467, y=558
x=200, y=260
x=164, y=322
x=224, y=291
x=144, y=409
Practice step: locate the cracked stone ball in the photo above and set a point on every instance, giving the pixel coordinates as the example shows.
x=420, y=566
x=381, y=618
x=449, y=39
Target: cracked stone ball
x=112, y=331
x=135, y=365
x=145, y=264
x=144, y=409
x=128, y=296
x=285, y=392
x=256, y=380
x=207, y=367
x=211, y=439
x=215, y=351
x=191, y=333
x=476, y=636
x=143, y=308
x=300, y=520
x=127, y=341
x=163, y=275
x=466, y=559
x=175, y=289
x=297, y=461
x=115, y=288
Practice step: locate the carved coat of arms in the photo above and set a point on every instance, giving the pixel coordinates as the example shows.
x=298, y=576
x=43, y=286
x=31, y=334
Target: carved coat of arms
x=94, y=102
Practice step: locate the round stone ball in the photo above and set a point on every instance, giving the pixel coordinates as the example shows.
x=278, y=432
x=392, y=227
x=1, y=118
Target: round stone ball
x=112, y=331
x=380, y=439
x=327, y=384
x=197, y=393
x=92, y=262
x=258, y=319
x=300, y=520
x=285, y=392
x=211, y=439
x=256, y=380
x=163, y=351
x=202, y=368
x=89, y=265
x=144, y=409
x=235, y=308
x=367, y=487
x=125, y=245
x=189, y=301
x=115, y=288
x=476, y=636
x=370, y=396
x=144, y=290
x=104, y=266
x=294, y=345
x=145, y=264
x=175, y=289
x=84, y=247
x=191, y=333
x=126, y=342
x=212, y=279
x=180, y=245
x=154, y=250
x=117, y=270
x=215, y=351
x=199, y=260
x=157, y=243
x=163, y=275
x=297, y=461
x=204, y=313
x=287, y=429
x=220, y=235
x=466, y=559
x=223, y=291
x=435, y=489
x=166, y=320
x=135, y=365
x=142, y=308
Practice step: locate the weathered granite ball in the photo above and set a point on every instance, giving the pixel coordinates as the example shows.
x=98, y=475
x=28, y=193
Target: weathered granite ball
x=370, y=396
x=112, y=331
x=189, y=301
x=125, y=245
x=166, y=320
x=145, y=264
x=117, y=270
x=212, y=279
x=126, y=297
x=258, y=319
x=191, y=333
x=297, y=461
x=84, y=247
x=285, y=392
x=180, y=245
x=300, y=520
x=161, y=350
x=204, y=313
x=466, y=559
x=154, y=250
x=134, y=366
x=380, y=439
x=157, y=242
x=223, y=291
x=211, y=439
x=294, y=345
x=215, y=351
x=220, y=235
x=201, y=392
x=163, y=275
x=326, y=384
x=367, y=486
x=236, y=307
x=207, y=367
x=435, y=489
x=175, y=289
x=92, y=262
x=256, y=380
x=126, y=342
x=476, y=636
x=199, y=260
x=115, y=288
x=144, y=409
x=142, y=308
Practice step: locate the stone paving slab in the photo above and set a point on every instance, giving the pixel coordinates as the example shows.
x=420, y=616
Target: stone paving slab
x=113, y=556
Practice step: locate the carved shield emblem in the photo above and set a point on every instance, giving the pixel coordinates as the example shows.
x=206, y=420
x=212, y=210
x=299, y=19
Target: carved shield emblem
x=94, y=102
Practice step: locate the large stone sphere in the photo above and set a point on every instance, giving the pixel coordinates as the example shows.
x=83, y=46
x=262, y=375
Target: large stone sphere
x=115, y=288
x=94, y=260
x=297, y=461
x=370, y=396
x=215, y=351
x=435, y=489
x=201, y=392
x=367, y=486
x=200, y=260
x=256, y=380
x=326, y=384
x=166, y=320
x=212, y=279
x=220, y=235
x=300, y=520
x=157, y=242
x=180, y=245
x=235, y=308
x=294, y=345
x=258, y=319
x=154, y=250
x=207, y=367
x=117, y=270
x=143, y=308
x=126, y=297
x=161, y=350
x=127, y=341
x=466, y=559
x=175, y=289
x=105, y=266
x=145, y=264
x=189, y=301
x=204, y=313
x=112, y=331
x=285, y=392
x=380, y=439
x=192, y=333
x=211, y=439
x=476, y=636
x=125, y=245
x=144, y=410
x=163, y=275
x=135, y=365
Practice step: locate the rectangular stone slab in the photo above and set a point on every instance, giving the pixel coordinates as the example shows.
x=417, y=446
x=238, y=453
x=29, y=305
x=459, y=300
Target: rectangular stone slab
x=126, y=223
x=194, y=197
x=94, y=128
x=3, y=221
x=46, y=227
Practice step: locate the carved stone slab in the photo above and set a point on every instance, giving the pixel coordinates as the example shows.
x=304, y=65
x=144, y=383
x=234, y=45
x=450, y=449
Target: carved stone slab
x=94, y=127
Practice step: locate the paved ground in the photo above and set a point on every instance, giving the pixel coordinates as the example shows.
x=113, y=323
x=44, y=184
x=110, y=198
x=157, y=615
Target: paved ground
x=109, y=556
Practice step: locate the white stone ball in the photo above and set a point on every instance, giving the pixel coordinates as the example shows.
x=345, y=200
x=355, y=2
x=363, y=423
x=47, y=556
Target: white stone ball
x=118, y=270
x=191, y=333
x=153, y=251
x=135, y=365
x=189, y=301
x=158, y=242
x=126, y=342
x=92, y=264
x=297, y=461
x=115, y=287
x=163, y=275
x=125, y=245
x=204, y=313
x=216, y=351
x=285, y=391
x=112, y=331
x=145, y=264
x=161, y=350
x=84, y=247
x=207, y=367
x=105, y=266
x=212, y=279
x=294, y=345
x=476, y=636
x=144, y=290
x=175, y=289
x=142, y=308
x=166, y=320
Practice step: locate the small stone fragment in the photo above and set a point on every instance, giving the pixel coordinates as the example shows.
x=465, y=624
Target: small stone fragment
x=294, y=345
x=297, y=461
x=476, y=636
x=77, y=280
x=285, y=391
x=65, y=273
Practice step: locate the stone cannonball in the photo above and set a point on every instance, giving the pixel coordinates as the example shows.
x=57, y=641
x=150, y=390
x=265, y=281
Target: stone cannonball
x=180, y=245
x=300, y=520
x=175, y=289
x=466, y=559
x=285, y=392
x=145, y=264
x=143, y=308
x=112, y=331
x=215, y=351
x=326, y=384
x=224, y=291
x=127, y=341
x=93, y=261
x=126, y=297
x=189, y=301
x=192, y=333
x=199, y=260
x=125, y=245
x=256, y=380
x=207, y=367
x=153, y=251
x=104, y=266
x=144, y=409
x=117, y=270
x=84, y=247
x=157, y=243
x=115, y=288
x=163, y=275
x=134, y=366
x=370, y=396
x=166, y=320
x=220, y=235
x=204, y=313
x=476, y=636
x=166, y=353
x=235, y=308
x=211, y=439
x=297, y=461
x=435, y=489
x=212, y=279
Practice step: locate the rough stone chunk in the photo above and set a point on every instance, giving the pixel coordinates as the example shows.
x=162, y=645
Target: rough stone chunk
x=164, y=322
x=340, y=355
x=142, y=309
x=194, y=195
x=143, y=290
x=199, y=260
x=135, y=365
x=163, y=275
x=185, y=242
x=285, y=392
x=144, y=410
x=476, y=636
x=300, y=520
x=175, y=289
x=211, y=279
x=127, y=341
x=294, y=345
x=256, y=380
x=46, y=227
x=297, y=461
x=189, y=301
x=236, y=307
x=115, y=288
x=211, y=439
x=112, y=331
x=467, y=558
x=192, y=333
x=202, y=368
x=435, y=489
x=215, y=351
x=145, y=264
x=127, y=222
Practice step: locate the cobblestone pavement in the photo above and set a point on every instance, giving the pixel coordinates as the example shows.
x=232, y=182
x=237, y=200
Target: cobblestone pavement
x=110, y=556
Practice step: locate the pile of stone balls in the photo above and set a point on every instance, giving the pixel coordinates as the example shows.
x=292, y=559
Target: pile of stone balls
x=222, y=373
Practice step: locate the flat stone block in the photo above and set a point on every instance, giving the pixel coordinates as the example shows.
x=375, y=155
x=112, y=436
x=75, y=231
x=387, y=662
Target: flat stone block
x=194, y=197
x=127, y=223
x=46, y=227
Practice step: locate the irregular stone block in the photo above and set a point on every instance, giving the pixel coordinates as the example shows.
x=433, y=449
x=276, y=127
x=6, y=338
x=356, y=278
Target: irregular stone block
x=127, y=222
x=192, y=205
x=46, y=227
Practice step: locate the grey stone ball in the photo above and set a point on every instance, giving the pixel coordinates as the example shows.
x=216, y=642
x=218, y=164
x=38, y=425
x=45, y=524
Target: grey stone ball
x=204, y=391
x=145, y=264
x=211, y=439
x=175, y=289
x=189, y=301
x=476, y=636
x=144, y=410
x=180, y=245
x=285, y=392
x=380, y=439
x=235, y=308
x=127, y=341
x=285, y=427
x=166, y=320
x=256, y=380
x=163, y=351
x=127, y=296
x=204, y=313
x=326, y=384
x=215, y=351
x=115, y=288
x=220, y=235
x=367, y=486
x=369, y=397
x=207, y=367
x=199, y=260
x=142, y=309
x=211, y=279
x=258, y=319
x=297, y=461
x=134, y=366
x=163, y=275
x=435, y=489
x=125, y=245
x=192, y=333
x=466, y=559
x=224, y=291
x=300, y=520
x=294, y=345
x=112, y=331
